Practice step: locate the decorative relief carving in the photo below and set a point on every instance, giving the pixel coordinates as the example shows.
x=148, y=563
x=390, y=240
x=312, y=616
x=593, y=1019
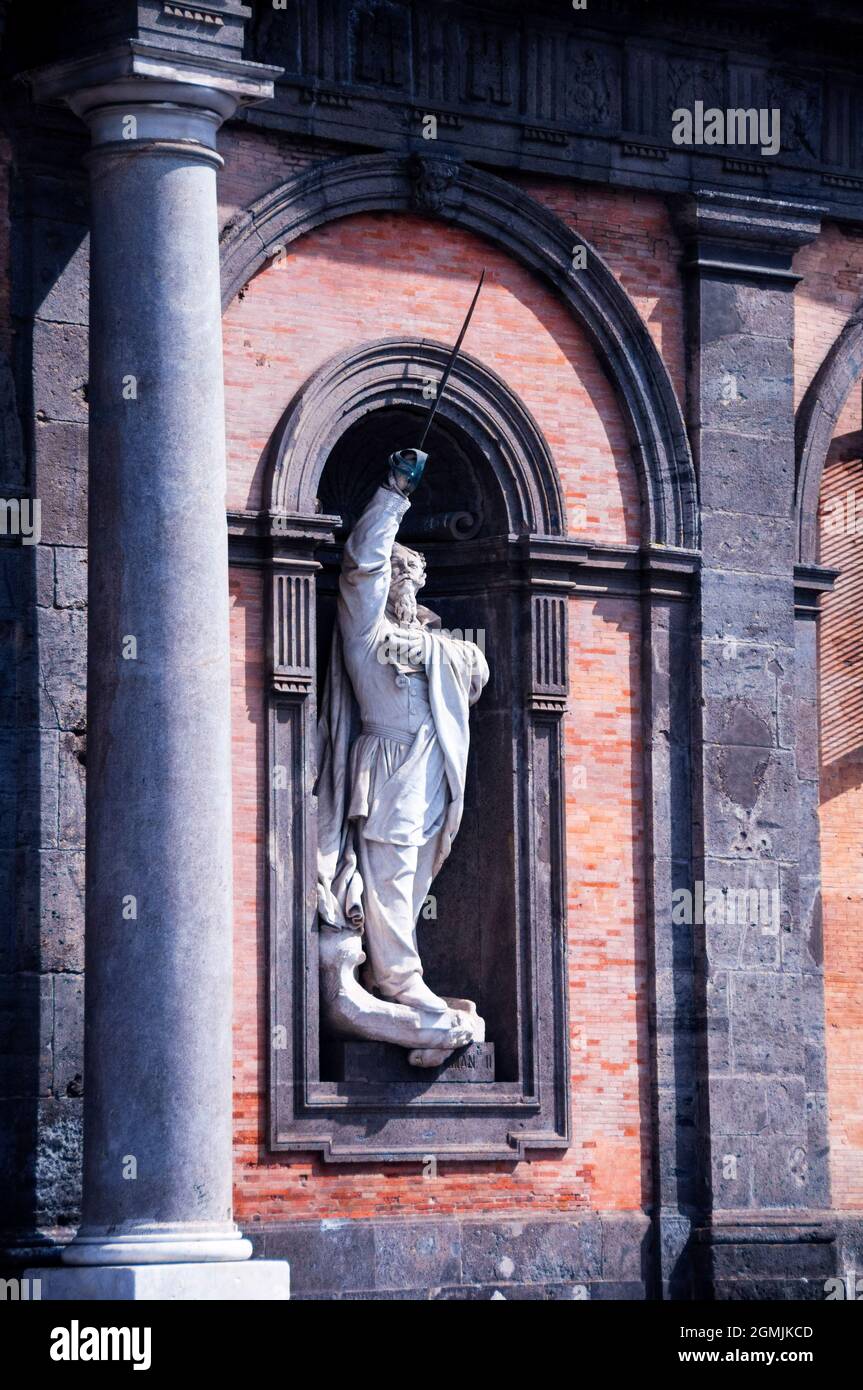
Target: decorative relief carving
x=490, y=66
x=591, y=86
x=744, y=166
x=293, y=649
x=549, y=679
x=540, y=136
x=198, y=16
x=800, y=105
x=536, y=70
x=690, y=80
x=431, y=178
x=321, y=97
x=382, y=46
x=639, y=151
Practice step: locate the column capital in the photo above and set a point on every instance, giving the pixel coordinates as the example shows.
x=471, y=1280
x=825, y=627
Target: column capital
x=172, y=95
x=741, y=234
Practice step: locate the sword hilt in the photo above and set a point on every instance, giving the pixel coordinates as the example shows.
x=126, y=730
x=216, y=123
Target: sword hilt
x=409, y=464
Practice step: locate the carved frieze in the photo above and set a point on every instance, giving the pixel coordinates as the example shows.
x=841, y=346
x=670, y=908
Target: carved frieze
x=571, y=91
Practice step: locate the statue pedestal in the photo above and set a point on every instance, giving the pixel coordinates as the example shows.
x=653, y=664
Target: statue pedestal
x=379, y=1062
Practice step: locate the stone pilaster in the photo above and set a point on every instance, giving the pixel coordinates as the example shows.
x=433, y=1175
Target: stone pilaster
x=157, y=1119
x=761, y=1134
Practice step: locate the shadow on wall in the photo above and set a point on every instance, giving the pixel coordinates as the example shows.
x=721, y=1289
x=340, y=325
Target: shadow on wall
x=42, y=724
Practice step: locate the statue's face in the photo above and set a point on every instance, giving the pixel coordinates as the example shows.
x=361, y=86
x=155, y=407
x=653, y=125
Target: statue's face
x=408, y=577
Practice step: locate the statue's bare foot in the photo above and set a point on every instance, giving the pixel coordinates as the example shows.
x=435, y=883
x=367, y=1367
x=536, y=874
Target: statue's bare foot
x=468, y=1027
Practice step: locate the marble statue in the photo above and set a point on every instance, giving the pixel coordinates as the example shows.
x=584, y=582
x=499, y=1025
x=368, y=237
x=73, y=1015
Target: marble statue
x=393, y=742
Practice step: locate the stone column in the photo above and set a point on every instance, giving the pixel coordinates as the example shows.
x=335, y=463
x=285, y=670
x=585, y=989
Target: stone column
x=158, y=1092
x=760, y=1114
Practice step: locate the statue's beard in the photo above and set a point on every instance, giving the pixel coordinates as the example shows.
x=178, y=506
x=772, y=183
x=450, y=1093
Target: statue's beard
x=403, y=602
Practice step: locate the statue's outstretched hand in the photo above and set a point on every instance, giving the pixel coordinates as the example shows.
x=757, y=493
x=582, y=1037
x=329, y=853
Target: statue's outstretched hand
x=406, y=470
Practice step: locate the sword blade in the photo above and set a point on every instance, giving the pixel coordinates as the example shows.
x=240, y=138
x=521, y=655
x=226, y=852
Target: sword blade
x=451, y=363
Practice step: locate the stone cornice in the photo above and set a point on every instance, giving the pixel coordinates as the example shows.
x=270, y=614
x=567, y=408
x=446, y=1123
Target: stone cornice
x=570, y=565
x=737, y=234
x=145, y=71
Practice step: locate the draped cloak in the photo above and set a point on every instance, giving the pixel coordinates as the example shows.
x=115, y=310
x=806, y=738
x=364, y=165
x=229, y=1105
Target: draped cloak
x=422, y=797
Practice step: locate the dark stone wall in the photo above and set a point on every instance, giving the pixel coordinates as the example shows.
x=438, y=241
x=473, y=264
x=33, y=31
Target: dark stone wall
x=43, y=631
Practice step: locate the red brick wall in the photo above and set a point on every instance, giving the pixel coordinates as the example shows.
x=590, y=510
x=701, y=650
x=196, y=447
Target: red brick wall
x=831, y=289
x=367, y=277
x=376, y=275
x=841, y=701
x=257, y=161
x=634, y=234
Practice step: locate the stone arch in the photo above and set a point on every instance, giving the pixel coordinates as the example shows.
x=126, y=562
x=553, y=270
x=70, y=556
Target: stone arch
x=817, y=416
x=392, y=372
x=495, y=209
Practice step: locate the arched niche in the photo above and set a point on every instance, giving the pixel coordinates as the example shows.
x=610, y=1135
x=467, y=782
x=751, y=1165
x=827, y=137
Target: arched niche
x=498, y=930
x=817, y=417
x=535, y=563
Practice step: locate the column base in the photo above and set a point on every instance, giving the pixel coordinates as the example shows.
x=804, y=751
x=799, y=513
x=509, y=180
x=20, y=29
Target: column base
x=170, y=1245
x=258, y=1281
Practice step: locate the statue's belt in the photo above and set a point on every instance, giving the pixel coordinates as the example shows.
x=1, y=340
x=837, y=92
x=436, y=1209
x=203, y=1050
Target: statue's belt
x=382, y=731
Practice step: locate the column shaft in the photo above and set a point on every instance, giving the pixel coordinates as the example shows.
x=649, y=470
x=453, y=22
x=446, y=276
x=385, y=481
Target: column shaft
x=158, y=944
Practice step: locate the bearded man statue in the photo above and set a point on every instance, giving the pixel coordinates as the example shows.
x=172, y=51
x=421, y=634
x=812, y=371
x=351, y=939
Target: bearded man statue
x=393, y=742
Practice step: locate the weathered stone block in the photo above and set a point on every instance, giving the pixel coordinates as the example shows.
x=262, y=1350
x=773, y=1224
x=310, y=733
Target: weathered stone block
x=738, y=1106
x=786, y=1107
x=731, y=1168
x=71, y=578
x=748, y=608
x=60, y=355
x=741, y=541
x=749, y=803
x=69, y=1035
x=26, y=1035
x=746, y=385
x=37, y=788
x=422, y=1254
x=55, y=693
x=782, y=1173
x=72, y=790
x=43, y=562
x=744, y=472
x=530, y=1252
x=54, y=282
x=51, y=910
x=60, y=481
x=57, y=1175
x=766, y=1021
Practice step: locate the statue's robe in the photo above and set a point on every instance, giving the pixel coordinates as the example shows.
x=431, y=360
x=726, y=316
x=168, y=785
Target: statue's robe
x=393, y=741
